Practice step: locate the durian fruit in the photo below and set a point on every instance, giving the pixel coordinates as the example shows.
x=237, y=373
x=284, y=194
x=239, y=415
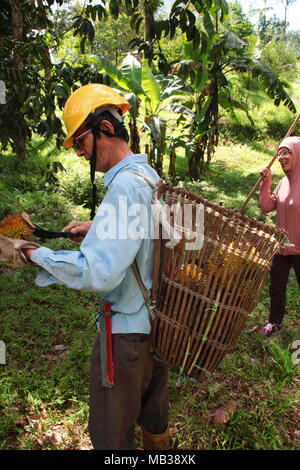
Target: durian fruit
x=241, y=258
x=232, y=263
x=187, y=272
x=20, y=226
x=17, y=226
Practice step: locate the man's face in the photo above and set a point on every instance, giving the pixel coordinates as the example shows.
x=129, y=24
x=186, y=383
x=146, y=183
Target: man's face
x=83, y=142
x=83, y=146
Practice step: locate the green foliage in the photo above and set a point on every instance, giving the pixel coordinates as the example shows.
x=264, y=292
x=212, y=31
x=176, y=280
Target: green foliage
x=280, y=57
x=121, y=79
x=270, y=122
x=77, y=189
x=220, y=38
x=35, y=86
x=42, y=185
x=210, y=51
x=283, y=370
x=269, y=29
x=148, y=92
x=238, y=22
x=38, y=171
x=30, y=186
x=108, y=37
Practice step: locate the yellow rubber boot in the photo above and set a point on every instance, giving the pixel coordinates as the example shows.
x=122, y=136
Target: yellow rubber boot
x=156, y=441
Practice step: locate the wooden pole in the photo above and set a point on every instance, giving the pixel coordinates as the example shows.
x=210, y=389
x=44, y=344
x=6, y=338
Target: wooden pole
x=253, y=190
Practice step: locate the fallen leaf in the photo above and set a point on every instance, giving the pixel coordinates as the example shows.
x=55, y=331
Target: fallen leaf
x=54, y=437
x=223, y=413
x=39, y=442
x=251, y=330
x=51, y=357
x=60, y=347
x=21, y=421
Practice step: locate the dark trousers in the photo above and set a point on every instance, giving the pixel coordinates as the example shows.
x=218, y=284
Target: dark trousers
x=140, y=394
x=279, y=276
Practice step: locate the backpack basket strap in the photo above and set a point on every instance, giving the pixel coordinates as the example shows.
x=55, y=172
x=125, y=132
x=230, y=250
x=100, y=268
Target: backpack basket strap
x=134, y=265
x=140, y=282
x=148, y=180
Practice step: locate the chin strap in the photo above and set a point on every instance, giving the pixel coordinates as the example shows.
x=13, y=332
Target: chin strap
x=93, y=161
x=92, y=175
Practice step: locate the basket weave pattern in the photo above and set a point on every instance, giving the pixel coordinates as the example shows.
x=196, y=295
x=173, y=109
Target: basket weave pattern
x=203, y=297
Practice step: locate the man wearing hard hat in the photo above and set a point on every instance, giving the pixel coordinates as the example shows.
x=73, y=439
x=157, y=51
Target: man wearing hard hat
x=127, y=384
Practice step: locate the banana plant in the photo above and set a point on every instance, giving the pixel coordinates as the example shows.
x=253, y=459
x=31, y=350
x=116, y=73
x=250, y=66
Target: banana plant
x=208, y=89
x=147, y=94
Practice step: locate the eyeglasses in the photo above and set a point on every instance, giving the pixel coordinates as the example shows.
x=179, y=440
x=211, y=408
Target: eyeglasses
x=76, y=142
x=283, y=153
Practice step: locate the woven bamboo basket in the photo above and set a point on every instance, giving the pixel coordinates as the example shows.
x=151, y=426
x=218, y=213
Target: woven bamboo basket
x=203, y=297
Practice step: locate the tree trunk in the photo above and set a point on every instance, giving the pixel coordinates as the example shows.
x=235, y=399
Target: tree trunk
x=18, y=61
x=19, y=147
x=134, y=136
x=172, y=162
x=205, y=146
x=285, y=21
x=195, y=161
x=148, y=19
x=150, y=152
x=45, y=53
x=147, y=152
x=159, y=162
x=17, y=33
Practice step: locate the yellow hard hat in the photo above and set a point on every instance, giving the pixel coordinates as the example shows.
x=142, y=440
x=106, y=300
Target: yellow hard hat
x=84, y=101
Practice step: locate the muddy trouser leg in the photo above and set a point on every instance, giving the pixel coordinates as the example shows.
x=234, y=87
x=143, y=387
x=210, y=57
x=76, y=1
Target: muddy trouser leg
x=140, y=394
x=279, y=278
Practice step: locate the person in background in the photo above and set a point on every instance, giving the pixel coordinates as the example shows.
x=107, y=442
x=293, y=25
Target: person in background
x=286, y=201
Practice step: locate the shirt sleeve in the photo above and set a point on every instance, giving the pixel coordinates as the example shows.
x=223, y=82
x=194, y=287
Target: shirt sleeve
x=105, y=254
x=268, y=201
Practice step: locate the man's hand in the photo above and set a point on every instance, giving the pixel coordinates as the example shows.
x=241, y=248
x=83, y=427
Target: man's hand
x=75, y=226
x=27, y=252
x=12, y=252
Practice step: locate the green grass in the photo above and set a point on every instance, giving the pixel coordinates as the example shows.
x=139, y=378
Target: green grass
x=232, y=174
x=43, y=384
x=49, y=334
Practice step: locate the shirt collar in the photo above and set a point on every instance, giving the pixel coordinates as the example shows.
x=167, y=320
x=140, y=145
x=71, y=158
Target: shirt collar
x=127, y=161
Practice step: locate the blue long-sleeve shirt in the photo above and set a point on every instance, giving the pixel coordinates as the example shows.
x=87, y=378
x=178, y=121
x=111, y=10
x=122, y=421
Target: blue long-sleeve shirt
x=120, y=232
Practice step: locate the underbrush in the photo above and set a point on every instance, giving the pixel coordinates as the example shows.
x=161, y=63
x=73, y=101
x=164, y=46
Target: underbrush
x=50, y=186
x=263, y=120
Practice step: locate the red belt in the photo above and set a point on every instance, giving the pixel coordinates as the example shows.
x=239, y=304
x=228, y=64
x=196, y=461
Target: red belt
x=106, y=353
